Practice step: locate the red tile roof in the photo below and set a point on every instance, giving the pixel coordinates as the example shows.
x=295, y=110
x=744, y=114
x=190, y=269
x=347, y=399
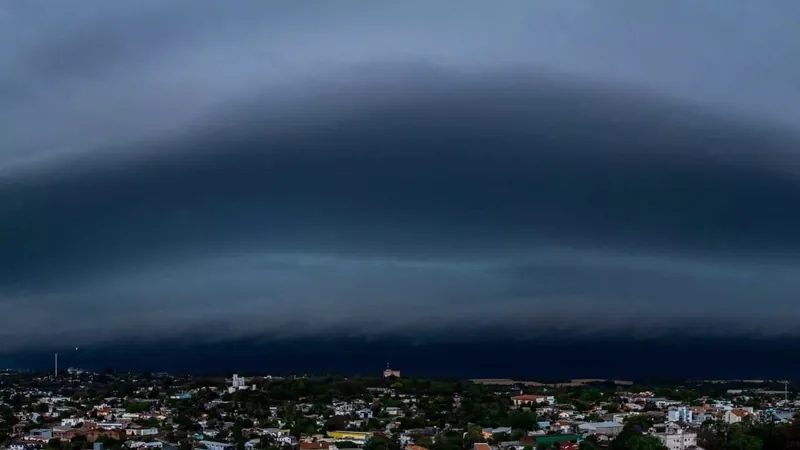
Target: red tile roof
x=529, y=397
x=314, y=445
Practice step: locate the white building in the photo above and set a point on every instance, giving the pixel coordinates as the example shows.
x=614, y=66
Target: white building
x=364, y=414
x=238, y=382
x=147, y=431
x=530, y=399
x=111, y=425
x=606, y=428
x=682, y=414
x=735, y=416
x=678, y=440
x=211, y=445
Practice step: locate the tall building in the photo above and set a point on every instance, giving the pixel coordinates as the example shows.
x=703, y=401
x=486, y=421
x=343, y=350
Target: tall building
x=237, y=382
x=683, y=414
x=677, y=440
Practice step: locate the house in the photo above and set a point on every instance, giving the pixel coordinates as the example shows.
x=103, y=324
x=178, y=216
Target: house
x=41, y=434
x=136, y=430
x=702, y=417
x=393, y=411
x=563, y=426
x=95, y=434
x=58, y=431
x=735, y=416
x=155, y=445
x=286, y=440
x=564, y=441
x=71, y=421
x=24, y=446
x=274, y=432
x=355, y=436
x=319, y=445
x=606, y=428
x=110, y=425
x=364, y=414
x=531, y=399
x=211, y=445
x=488, y=433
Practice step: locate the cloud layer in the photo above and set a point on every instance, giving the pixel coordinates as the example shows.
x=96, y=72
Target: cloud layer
x=374, y=173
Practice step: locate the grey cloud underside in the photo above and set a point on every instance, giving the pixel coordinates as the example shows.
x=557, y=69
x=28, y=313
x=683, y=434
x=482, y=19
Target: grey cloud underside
x=455, y=199
x=487, y=163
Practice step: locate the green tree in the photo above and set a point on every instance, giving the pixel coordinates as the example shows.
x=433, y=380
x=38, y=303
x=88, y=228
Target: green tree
x=500, y=437
x=137, y=407
x=588, y=445
x=643, y=442
x=738, y=440
x=379, y=442
x=472, y=435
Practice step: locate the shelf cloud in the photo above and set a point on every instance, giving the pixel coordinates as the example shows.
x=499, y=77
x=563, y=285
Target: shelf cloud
x=265, y=170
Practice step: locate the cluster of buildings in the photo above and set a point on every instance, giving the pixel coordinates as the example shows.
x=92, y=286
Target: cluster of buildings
x=147, y=418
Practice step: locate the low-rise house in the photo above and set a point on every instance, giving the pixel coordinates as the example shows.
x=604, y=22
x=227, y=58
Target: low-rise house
x=114, y=433
x=286, y=440
x=488, y=433
x=24, y=446
x=41, y=434
x=564, y=441
x=58, y=431
x=734, y=416
x=137, y=430
x=318, y=445
x=532, y=399
x=393, y=411
x=355, y=436
x=364, y=414
x=605, y=428
x=72, y=421
x=212, y=445
x=154, y=445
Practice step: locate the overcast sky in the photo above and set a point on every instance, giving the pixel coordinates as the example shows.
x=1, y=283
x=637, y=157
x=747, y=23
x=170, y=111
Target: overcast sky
x=270, y=168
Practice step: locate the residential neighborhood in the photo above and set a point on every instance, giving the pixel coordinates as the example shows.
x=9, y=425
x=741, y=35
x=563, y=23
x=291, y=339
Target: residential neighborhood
x=76, y=410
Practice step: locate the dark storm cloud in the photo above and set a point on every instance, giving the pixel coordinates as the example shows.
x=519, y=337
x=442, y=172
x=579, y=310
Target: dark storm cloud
x=494, y=160
x=456, y=180
x=241, y=176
